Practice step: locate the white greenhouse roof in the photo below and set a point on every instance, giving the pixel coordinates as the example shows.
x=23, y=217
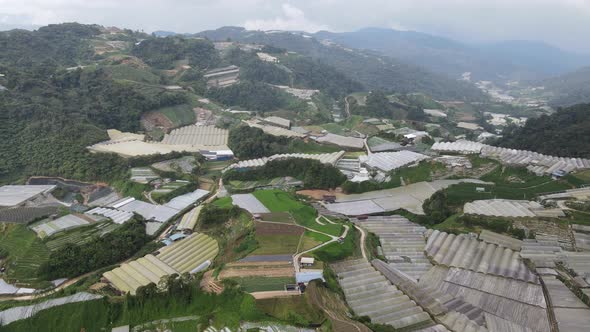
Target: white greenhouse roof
x=388, y=161
x=17, y=194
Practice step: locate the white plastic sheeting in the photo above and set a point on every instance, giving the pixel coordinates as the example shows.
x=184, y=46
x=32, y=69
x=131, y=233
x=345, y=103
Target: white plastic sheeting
x=324, y=158
x=389, y=161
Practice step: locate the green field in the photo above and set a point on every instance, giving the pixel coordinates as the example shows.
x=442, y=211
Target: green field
x=263, y=284
x=26, y=253
x=277, y=200
x=179, y=115
x=299, y=146
x=305, y=215
x=297, y=310
x=225, y=202
x=338, y=251
x=277, y=244
x=167, y=188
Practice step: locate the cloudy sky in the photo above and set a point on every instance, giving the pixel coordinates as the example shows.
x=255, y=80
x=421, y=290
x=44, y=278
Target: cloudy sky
x=564, y=23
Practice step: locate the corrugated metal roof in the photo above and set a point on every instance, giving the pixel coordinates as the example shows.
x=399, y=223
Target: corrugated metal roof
x=344, y=141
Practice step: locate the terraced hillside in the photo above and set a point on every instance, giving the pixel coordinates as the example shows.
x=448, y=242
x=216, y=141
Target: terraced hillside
x=402, y=241
x=370, y=294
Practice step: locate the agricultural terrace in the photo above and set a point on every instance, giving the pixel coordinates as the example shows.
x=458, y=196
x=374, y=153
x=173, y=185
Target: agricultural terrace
x=167, y=188
x=25, y=254
x=80, y=235
x=304, y=215
x=263, y=284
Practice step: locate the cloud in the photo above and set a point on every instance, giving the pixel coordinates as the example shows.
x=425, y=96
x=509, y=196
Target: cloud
x=292, y=18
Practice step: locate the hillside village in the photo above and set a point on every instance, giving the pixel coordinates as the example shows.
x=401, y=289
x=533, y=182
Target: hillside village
x=287, y=205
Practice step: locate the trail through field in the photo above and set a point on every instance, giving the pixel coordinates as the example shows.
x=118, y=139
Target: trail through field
x=333, y=239
x=318, y=221
x=363, y=237
x=274, y=294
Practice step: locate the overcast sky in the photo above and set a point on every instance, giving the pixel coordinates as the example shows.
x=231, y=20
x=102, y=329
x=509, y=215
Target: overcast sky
x=563, y=23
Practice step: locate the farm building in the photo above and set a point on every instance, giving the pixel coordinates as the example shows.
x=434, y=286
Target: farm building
x=158, y=213
x=306, y=261
x=501, y=240
x=455, y=161
x=189, y=220
x=464, y=252
x=343, y=141
x=570, y=312
x=389, y=161
x=249, y=203
x=463, y=147
x=267, y=57
x=510, y=208
x=304, y=94
x=370, y=294
x=435, y=113
x=192, y=254
x=277, y=121
x=324, y=158
x=117, y=216
x=206, y=137
x=14, y=195
x=274, y=130
x=468, y=126
x=410, y=198
x=50, y=227
x=222, y=77
x=143, y=175
x=537, y=163
x=402, y=243
x=184, y=201
x=377, y=144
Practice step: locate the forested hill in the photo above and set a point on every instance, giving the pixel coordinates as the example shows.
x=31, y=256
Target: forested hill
x=565, y=133
x=373, y=70
x=569, y=89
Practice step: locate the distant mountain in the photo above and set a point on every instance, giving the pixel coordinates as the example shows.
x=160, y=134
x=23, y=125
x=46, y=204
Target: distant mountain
x=372, y=69
x=569, y=89
x=520, y=60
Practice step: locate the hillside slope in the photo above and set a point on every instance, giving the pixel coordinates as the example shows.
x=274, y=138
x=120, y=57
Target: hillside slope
x=569, y=89
x=565, y=133
x=372, y=69
x=498, y=61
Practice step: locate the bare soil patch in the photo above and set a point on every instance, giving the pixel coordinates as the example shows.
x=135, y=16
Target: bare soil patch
x=263, y=228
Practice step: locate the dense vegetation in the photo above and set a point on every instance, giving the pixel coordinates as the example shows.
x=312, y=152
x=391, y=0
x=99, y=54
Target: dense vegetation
x=248, y=142
x=163, y=52
x=313, y=173
x=73, y=260
x=253, y=96
x=565, y=133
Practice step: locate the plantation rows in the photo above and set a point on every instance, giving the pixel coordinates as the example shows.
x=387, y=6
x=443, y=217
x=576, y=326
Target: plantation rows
x=81, y=236
x=25, y=215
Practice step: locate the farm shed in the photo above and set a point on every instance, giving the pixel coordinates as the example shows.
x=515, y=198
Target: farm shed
x=307, y=261
x=278, y=121
x=275, y=131
x=189, y=220
x=410, y=198
x=462, y=146
x=183, y=201
x=435, y=113
x=50, y=227
x=570, y=312
x=324, y=158
x=204, y=136
x=370, y=294
x=468, y=253
x=510, y=208
x=389, y=161
x=159, y=213
x=343, y=141
x=249, y=203
x=141, y=272
x=117, y=216
x=537, y=163
x=468, y=126
x=501, y=240
x=195, y=251
x=402, y=242
x=13, y=195
x=542, y=253
x=378, y=144
x=521, y=303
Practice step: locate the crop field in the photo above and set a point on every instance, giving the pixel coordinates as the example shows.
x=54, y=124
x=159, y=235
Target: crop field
x=306, y=217
x=296, y=309
x=25, y=215
x=225, y=202
x=80, y=235
x=277, y=200
x=179, y=115
x=263, y=284
x=167, y=188
x=26, y=253
x=276, y=239
x=283, y=217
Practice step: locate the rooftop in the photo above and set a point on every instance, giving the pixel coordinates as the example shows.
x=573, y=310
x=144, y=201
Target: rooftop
x=18, y=194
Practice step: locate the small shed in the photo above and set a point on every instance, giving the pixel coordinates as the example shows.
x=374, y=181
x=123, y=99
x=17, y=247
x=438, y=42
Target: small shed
x=307, y=261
